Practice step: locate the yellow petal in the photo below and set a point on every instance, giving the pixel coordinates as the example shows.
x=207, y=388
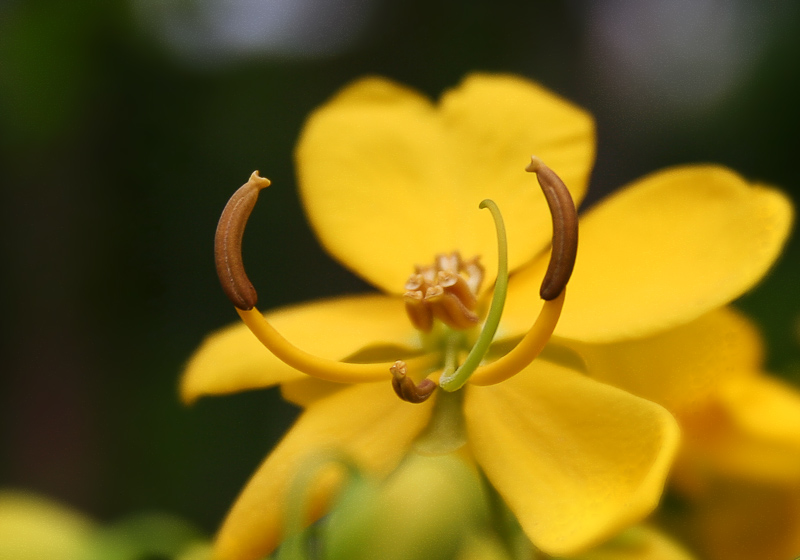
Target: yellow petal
x=575, y=460
x=389, y=180
x=738, y=520
x=304, y=392
x=751, y=431
x=767, y=408
x=368, y=422
x=232, y=360
x=663, y=251
x=681, y=367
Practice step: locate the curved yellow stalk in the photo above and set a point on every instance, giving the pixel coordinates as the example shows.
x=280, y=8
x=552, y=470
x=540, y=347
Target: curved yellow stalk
x=526, y=350
x=323, y=368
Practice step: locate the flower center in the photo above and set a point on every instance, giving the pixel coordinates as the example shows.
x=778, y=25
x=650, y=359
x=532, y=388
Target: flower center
x=454, y=375
x=446, y=290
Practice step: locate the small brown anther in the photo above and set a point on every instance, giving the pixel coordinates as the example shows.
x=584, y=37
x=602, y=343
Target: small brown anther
x=449, y=309
x=458, y=286
x=228, y=243
x=565, y=229
x=474, y=272
x=448, y=263
x=418, y=311
x=406, y=389
x=449, y=288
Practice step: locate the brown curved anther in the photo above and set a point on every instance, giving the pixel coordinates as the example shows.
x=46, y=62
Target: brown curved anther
x=565, y=229
x=228, y=243
x=405, y=387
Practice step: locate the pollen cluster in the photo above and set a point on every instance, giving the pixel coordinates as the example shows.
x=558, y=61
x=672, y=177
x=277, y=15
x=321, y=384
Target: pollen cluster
x=446, y=290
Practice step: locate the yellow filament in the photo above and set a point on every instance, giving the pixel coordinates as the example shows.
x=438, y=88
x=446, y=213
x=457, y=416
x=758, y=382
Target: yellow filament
x=526, y=350
x=323, y=368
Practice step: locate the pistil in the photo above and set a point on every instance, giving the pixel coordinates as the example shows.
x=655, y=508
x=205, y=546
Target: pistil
x=456, y=380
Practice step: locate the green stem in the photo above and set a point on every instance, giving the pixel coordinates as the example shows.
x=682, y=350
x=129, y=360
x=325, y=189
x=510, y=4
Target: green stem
x=445, y=432
x=453, y=341
x=456, y=380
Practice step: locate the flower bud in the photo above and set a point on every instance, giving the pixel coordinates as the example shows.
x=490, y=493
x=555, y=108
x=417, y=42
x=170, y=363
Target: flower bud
x=423, y=510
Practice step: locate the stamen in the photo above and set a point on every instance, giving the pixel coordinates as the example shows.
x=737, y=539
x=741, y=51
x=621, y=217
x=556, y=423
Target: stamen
x=449, y=290
x=553, y=289
x=456, y=284
x=462, y=374
x=228, y=251
x=416, y=282
x=448, y=263
x=449, y=309
x=427, y=274
x=565, y=229
x=228, y=243
x=322, y=368
x=474, y=271
x=405, y=387
x=418, y=311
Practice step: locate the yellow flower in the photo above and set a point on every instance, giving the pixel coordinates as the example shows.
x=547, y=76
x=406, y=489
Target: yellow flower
x=738, y=471
x=741, y=519
x=389, y=181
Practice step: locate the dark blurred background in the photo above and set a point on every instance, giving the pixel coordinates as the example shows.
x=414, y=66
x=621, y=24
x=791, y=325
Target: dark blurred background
x=126, y=124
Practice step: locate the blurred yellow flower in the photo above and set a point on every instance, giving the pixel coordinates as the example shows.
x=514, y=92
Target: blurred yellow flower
x=35, y=528
x=738, y=471
x=390, y=180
